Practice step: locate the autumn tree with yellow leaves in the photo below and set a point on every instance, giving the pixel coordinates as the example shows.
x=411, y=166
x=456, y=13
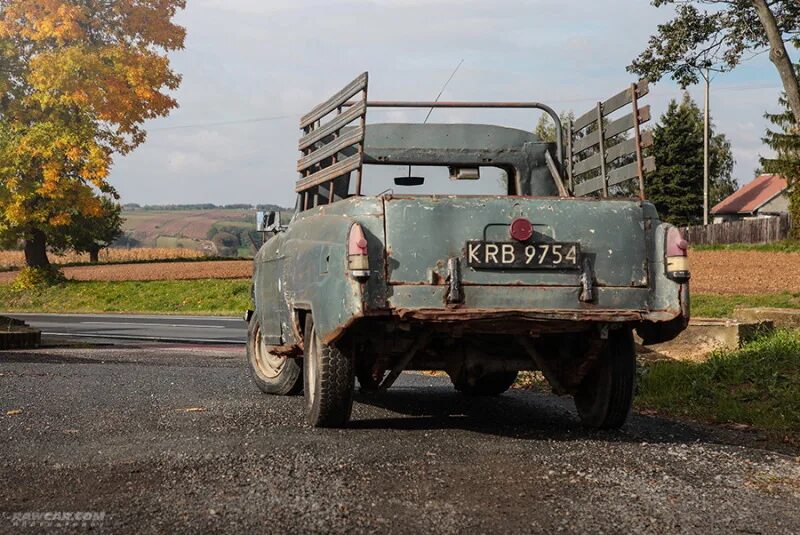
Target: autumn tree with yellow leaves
x=78, y=78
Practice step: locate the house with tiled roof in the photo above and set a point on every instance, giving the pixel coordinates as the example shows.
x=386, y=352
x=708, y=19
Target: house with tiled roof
x=765, y=196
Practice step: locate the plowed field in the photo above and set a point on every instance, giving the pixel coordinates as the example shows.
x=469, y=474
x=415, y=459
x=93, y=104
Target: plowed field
x=744, y=272
x=715, y=272
x=229, y=269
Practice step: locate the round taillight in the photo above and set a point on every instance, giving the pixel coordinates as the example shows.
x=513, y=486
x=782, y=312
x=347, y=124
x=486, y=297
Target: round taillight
x=521, y=229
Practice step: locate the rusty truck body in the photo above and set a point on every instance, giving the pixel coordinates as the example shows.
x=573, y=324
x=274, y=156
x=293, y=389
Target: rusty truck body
x=554, y=271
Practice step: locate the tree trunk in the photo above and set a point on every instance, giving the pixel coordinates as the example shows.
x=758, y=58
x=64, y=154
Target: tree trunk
x=779, y=57
x=36, y=250
x=94, y=255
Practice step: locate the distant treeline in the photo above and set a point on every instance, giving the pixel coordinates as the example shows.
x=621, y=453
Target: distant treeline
x=206, y=206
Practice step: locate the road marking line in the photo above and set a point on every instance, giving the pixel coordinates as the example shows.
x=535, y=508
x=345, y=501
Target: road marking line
x=149, y=338
x=195, y=326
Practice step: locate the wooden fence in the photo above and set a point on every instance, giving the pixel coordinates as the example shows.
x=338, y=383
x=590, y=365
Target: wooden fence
x=763, y=230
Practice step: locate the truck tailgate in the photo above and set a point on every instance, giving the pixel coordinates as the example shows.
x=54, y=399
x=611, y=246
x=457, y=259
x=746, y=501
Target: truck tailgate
x=423, y=232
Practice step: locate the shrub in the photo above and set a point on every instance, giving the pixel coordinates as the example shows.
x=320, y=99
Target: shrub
x=30, y=278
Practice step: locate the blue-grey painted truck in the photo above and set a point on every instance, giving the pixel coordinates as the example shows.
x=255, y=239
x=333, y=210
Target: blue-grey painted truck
x=362, y=287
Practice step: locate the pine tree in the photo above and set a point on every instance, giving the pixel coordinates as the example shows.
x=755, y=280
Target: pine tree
x=676, y=186
x=786, y=144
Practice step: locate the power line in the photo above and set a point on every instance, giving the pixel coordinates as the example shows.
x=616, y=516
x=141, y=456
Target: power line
x=234, y=122
x=225, y=123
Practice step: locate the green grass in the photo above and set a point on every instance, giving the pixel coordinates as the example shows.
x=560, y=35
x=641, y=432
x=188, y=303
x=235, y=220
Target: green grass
x=784, y=246
x=721, y=306
x=208, y=296
x=757, y=385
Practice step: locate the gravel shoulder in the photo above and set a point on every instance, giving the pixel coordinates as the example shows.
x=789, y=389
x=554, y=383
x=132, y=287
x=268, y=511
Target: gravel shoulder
x=176, y=439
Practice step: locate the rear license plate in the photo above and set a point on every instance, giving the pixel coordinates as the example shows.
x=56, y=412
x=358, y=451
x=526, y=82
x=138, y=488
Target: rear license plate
x=518, y=255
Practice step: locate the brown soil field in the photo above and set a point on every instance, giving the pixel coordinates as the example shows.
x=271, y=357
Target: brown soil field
x=715, y=272
x=744, y=272
x=231, y=269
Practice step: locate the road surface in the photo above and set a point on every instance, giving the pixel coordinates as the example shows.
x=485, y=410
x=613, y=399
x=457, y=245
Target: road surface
x=109, y=327
x=175, y=438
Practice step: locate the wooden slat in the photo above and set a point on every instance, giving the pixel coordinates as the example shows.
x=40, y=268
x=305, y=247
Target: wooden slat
x=329, y=173
x=588, y=186
x=630, y=171
x=619, y=150
x=611, y=105
x=354, y=87
x=342, y=120
x=350, y=138
x=615, y=176
x=614, y=128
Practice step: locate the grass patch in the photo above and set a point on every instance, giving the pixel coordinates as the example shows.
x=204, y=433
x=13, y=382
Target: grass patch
x=784, y=246
x=757, y=385
x=721, y=306
x=207, y=296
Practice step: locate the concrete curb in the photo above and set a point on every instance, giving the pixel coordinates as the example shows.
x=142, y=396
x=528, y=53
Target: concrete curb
x=15, y=334
x=705, y=335
x=785, y=318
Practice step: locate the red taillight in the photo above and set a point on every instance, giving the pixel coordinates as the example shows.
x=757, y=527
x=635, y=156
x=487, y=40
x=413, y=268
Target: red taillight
x=357, y=257
x=521, y=229
x=677, y=255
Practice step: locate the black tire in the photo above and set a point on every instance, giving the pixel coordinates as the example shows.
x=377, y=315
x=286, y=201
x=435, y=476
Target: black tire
x=490, y=384
x=329, y=379
x=605, y=395
x=272, y=374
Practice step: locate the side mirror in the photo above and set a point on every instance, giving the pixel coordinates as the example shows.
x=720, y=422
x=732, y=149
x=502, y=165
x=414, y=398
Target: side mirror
x=409, y=180
x=268, y=221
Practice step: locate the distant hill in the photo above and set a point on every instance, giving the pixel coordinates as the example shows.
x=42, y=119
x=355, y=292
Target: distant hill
x=217, y=230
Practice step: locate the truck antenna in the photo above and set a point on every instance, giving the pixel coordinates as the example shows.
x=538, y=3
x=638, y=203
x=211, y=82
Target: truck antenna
x=437, y=99
x=442, y=90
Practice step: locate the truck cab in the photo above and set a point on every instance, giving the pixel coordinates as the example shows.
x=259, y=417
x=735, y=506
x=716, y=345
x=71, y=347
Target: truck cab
x=479, y=250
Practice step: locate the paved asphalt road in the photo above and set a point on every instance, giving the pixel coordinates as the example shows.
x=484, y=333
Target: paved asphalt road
x=203, y=329
x=171, y=438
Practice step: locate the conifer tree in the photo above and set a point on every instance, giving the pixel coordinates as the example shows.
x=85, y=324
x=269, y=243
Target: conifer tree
x=785, y=141
x=676, y=186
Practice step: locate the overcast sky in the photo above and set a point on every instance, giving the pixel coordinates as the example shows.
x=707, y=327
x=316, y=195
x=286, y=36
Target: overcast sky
x=252, y=67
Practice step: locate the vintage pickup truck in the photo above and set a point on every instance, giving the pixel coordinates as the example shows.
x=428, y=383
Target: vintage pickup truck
x=509, y=254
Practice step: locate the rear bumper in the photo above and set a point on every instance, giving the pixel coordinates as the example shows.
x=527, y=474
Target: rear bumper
x=533, y=315
x=532, y=302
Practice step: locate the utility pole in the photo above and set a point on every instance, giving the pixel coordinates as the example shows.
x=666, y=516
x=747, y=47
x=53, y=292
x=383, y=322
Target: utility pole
x=706, y=134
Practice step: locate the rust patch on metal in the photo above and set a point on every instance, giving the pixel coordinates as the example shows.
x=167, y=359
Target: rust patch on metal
x=466, y=314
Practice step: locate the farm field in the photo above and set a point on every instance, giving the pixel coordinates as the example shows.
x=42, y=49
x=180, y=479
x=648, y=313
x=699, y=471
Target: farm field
x=16, y=259
x=216, y=231
x=213, y=269
x=744, y=272
x=713, y=272
x=147, y=225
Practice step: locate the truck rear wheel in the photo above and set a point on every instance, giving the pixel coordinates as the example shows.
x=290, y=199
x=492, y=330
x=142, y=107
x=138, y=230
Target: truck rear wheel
x=490, y=384
x=329, y=381
x=605, y=395
x=272, y=373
